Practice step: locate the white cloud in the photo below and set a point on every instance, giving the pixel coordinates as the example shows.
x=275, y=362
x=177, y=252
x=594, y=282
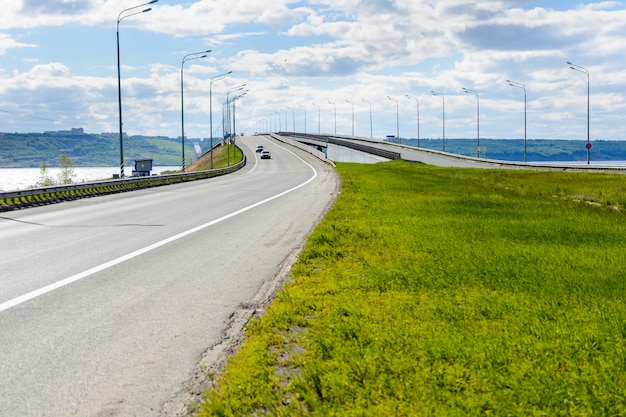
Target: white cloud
x=7, y=42
x=292, y=53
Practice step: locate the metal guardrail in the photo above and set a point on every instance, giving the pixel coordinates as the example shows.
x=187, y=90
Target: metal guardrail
x=364, y=148
x=346, y=144
x=598, y=167
x=318, y=154
x=12, y=200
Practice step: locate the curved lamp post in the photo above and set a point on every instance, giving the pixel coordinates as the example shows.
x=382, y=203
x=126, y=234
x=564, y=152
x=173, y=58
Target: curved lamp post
x=293, y=118
x=443, y=100
x=213, y=79
x=418, y=116
x=397, y=118
x=349, y=102
x=319, y=129
x=119, y=75
x=586, y=72
x=286, y=110
x=241, y=93
x=304, y=107
x=188, y=57
x=233, y=100
x=231, y=90
x=334, y=104
x=475, y=93
x=280, y=119
x=522, y=87
x=370, y=103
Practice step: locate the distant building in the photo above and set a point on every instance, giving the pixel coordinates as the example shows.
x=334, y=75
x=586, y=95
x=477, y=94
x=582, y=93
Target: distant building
x=74, y=131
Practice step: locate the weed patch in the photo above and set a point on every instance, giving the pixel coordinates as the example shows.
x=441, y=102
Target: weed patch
x=430, y=291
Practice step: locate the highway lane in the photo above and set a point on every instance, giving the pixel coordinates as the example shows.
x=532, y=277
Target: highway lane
x=107, y=304
x=444, y=159
x=423, y=156
x=429, y=157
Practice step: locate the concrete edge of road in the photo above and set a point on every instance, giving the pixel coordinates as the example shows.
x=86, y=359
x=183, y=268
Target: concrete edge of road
x=318, y=154
x=214, y=359
x=498, y=163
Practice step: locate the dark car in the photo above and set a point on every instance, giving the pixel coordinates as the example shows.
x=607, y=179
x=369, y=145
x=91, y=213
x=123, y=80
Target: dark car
x=259, y=148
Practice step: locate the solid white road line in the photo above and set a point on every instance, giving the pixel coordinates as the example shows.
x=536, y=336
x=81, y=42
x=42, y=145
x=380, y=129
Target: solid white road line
x=62, y=283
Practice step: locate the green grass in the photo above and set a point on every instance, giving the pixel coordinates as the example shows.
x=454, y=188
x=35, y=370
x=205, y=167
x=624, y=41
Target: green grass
x=446, y=292
x=221, y=158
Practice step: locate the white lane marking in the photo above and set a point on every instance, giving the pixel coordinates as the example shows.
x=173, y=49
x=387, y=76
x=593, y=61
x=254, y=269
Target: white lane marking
x=62, y=283
x=256, y=162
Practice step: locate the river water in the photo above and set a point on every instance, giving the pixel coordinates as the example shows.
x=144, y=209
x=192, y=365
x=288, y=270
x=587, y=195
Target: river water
x=12, y=179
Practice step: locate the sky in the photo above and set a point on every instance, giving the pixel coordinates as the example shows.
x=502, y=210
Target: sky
x=317, y=66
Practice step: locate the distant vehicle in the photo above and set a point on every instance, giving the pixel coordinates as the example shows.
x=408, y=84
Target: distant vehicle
x=266, y=155
x=259, y=148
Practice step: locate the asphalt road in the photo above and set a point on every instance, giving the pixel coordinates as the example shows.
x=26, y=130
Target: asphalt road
x=108, y=304
x=429, y=157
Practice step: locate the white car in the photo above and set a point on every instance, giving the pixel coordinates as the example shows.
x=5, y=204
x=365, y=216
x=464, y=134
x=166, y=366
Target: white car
x=266, y=155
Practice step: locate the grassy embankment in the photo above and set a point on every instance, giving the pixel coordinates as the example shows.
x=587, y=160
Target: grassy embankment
x=221, y=158
x=430, y=291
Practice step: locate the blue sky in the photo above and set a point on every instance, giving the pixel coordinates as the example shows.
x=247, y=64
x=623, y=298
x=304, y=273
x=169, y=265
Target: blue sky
x=58, y=66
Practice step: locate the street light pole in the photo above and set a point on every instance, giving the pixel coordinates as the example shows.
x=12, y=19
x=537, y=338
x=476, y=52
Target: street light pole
x=586, y=72
x=418, y=116
x=349, y=102
x=233, y=89
x=443, y=100
x=234, y=99
x=188, y=57
x=217, y=77
x=119, y=75
x=397, y=118
x=467, y=90
x=280, y=118
x=371, y=130
x=522, y=87
x=319, y=116
x=304, y=107
x=334, y=104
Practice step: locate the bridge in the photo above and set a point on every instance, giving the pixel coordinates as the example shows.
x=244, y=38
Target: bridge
x=368, y=150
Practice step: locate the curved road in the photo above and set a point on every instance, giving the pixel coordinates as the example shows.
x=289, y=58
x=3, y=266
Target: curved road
x=108, y=304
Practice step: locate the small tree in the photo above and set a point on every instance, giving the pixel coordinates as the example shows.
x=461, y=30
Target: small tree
x=44, y=179
x=66, y=176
